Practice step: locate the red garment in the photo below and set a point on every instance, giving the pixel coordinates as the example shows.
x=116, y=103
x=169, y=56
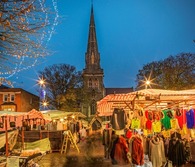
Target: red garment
x=181, y=117
x=121, y=150
x=149, y=116
x=137, y=151
x=128, y=134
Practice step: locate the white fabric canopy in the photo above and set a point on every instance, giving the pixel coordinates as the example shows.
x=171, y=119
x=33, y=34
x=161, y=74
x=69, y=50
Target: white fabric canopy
x=146, y=98
x=57, y=114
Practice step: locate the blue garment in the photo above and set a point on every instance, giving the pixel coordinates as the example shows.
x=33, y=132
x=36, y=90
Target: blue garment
x=190, y=118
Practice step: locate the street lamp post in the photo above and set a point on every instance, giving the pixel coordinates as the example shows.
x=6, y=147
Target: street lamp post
x=42, y=93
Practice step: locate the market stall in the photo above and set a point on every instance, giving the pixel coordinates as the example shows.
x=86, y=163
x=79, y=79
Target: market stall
x=146, y=99
x=12, y=122
x=151, y=110
x=154, y=115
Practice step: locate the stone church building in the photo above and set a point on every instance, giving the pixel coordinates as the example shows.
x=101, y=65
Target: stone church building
x=93, y=74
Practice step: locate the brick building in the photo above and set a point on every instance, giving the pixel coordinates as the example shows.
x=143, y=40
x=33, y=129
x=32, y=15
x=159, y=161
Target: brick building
x=17, y=100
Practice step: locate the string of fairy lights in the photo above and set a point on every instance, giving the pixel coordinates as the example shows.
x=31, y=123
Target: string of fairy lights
x=26, y=27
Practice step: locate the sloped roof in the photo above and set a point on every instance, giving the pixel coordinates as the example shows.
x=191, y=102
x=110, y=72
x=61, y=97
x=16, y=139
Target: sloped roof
x=118, y=90
x=167, y=92
x=19, y=117
x=146, y=98
x=3, y=86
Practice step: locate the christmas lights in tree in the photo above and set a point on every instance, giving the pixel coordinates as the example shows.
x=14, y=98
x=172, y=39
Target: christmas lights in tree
x=26, y=27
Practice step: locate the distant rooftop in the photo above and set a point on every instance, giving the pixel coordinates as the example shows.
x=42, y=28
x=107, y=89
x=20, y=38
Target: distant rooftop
x=3, y=87
x=118, y=90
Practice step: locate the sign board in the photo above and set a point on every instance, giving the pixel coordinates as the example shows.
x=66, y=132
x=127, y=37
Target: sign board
x=12, y=161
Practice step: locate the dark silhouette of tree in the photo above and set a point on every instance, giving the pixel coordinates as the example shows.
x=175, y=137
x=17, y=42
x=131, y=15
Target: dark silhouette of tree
x=63, y=86
x=173, y=73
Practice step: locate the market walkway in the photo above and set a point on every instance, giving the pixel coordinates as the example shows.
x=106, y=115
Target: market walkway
x=91, y=155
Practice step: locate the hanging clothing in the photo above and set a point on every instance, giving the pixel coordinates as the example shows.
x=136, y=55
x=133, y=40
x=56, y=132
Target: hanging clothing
x=174, y=124
x=156, y=126
x=121, y=150
x=136, y=150
x=128, y=133
x=190, y=118
x=140, y=114
x=135, y=123
x=149, y=118
x=119, y=119
x=187, y=150
x=146, y=142
x=180, y=116
x=176, y=152
x=168, y=115
x=156, y=152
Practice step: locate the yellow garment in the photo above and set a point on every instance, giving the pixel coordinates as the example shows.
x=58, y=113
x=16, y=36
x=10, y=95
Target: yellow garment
x=135, y=124
x=156, y=126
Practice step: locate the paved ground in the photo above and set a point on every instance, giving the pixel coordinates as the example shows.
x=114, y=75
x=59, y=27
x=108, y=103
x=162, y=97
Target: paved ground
x=91, y=155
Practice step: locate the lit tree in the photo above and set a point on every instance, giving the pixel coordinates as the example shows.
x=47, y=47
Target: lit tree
x=174, y=73
x=24, y=26
x=63, y=86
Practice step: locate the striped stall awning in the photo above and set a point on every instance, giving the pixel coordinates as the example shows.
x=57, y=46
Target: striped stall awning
x=106, y=105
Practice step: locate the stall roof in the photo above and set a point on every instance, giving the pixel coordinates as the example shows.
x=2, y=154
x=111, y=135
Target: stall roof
x=31, y=114
x=19, y=117
x=57, y=114
x=146, y=98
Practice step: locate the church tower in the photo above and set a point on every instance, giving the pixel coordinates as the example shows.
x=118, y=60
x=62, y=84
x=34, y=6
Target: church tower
x=93, y=73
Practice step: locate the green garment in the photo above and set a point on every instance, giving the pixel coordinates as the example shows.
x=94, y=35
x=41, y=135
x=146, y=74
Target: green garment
x=166, y=119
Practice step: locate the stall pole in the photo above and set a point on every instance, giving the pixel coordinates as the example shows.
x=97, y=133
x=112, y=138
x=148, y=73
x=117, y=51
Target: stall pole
x=22, y=138
x=6, y=139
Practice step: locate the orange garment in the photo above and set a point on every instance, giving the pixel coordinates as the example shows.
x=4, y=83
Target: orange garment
x=121, y=150
x=137, y=151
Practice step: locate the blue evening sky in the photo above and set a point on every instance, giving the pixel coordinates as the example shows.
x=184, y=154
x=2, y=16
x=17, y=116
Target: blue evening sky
x=130, y=33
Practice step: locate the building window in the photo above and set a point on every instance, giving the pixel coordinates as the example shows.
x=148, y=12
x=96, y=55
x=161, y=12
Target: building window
x=93, y=93
x=90, y=83
x=12, y=98
x=96, y=83
x=5, y=98
x=93, y=107
x=8, y=107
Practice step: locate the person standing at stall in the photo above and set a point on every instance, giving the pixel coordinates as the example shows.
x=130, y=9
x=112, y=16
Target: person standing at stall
x=83, y=133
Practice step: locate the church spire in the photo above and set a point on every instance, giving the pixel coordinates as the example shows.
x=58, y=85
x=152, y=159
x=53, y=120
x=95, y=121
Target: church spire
x=93, y=75
x=92, y=56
